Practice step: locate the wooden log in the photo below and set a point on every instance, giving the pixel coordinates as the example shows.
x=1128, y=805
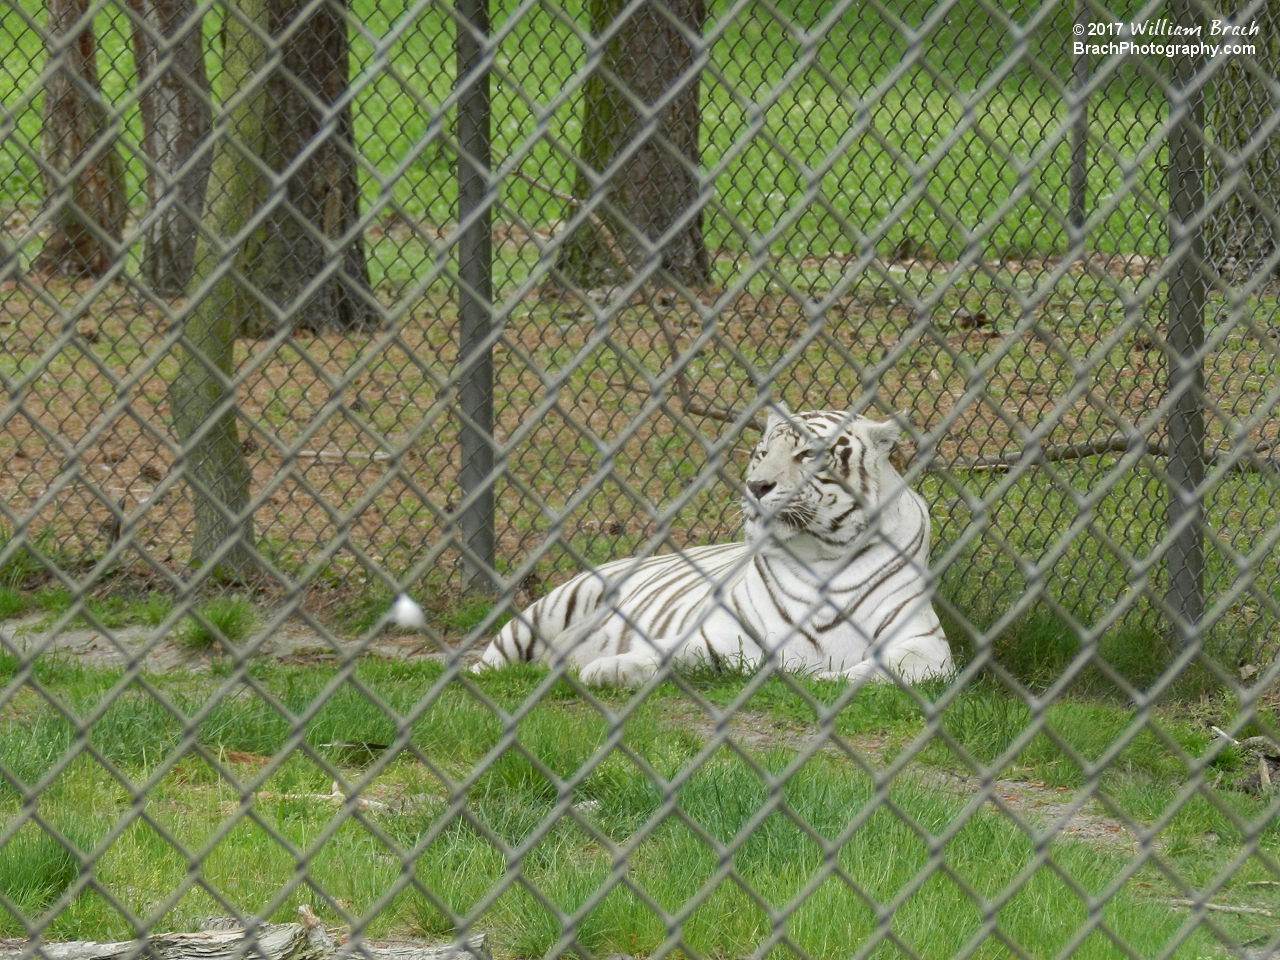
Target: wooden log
x=272, y=941
x=474, y=949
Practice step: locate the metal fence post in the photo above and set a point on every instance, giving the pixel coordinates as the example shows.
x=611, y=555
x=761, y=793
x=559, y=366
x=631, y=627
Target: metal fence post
x=1078, y=180
x=475, y=361
x=1187, y=295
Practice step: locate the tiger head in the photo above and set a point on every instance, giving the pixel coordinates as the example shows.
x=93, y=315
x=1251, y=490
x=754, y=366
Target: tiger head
x=819, y=472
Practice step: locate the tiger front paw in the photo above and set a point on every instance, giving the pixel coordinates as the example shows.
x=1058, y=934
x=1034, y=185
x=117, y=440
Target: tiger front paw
x=492, y=659
x=624, y=670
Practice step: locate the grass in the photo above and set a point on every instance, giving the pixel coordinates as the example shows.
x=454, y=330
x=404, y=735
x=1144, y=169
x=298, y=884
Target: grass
x=34, y=871
x=18, y=572
x=152, y=610
x=1071, y=534
x=219, y=620
x=26, y=585
x=755, y=62
x=517, y=799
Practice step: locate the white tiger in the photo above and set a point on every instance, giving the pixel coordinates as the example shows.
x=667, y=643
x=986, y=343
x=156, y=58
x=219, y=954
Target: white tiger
x=831, y=580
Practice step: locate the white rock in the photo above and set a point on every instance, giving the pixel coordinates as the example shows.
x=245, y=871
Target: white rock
x=407, y=614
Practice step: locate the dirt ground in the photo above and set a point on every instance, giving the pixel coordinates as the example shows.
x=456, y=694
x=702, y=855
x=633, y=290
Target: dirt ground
x=292, y=641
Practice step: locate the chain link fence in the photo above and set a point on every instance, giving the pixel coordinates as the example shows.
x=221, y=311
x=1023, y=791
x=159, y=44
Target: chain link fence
x=305, y=304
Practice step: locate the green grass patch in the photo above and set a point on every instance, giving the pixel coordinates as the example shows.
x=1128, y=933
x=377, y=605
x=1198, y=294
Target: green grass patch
x=1040, y=646
x=517, y=794
x=151, y=610
x=358, y=613
x=448, y=611
x=223, y=618
x=53, y=599
x=464, y=614
x=20, y=572
x=857, y=75
x=12, y=603
x=34, y=871
x=22, y=568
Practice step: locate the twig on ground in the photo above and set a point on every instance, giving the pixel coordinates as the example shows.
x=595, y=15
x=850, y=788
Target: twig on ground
x=698, y=408
x=1224, y=735
x=1093, y=448
x=340, y=455
x=690, y=402
x=336, y=796
x=1218, y=907
x=1051, y=454
x=594, y=219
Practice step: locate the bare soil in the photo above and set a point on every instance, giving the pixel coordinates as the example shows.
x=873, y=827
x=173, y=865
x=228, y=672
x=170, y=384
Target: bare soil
x=292, y=642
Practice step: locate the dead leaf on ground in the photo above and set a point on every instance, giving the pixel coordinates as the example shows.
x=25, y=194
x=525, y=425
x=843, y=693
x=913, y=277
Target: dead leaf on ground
x=242, y=756
x=970, y=321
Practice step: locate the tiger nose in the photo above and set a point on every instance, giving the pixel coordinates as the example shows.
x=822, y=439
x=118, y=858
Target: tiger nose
x=759, y=488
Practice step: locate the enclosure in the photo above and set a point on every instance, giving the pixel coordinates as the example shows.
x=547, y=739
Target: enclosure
x=305, y=304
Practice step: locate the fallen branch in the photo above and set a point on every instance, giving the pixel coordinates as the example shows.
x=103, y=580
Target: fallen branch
x=700, y=409
x=340, y=455
x=1219, y=907
x=1067, y=451
x=1218, y=731
x=592, y=218
x=1092, y=448
x=1052, y=454
x=399, y=805
x=1265, y=744
x=689, y=401
x=270, y=941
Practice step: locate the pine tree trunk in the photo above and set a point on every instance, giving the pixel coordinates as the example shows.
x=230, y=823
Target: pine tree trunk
x=657, y=186
x=175, y=110
x=1239, y=233
x=302, y=236
x=212, y=456
x=88, y=204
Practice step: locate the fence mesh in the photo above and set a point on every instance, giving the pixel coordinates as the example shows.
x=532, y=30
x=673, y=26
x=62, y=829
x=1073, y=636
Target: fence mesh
x=306, y=304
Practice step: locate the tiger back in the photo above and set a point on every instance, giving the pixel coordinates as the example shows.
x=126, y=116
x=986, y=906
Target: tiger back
x=832, y=578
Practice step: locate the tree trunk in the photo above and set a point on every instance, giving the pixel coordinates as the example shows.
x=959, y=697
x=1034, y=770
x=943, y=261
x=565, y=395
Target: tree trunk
x=303, y=236
x=1239, y=233
x=212, y=457
x=84, y=175
x=174, y=104
x=657, y=185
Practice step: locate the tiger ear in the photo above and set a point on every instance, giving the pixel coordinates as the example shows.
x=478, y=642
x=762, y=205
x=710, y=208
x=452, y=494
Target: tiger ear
x=778, y=414
x=885, y=434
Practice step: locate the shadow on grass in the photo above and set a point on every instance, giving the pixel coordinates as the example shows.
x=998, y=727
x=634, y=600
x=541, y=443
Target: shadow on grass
x=34, y=871
x=1040, y=646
